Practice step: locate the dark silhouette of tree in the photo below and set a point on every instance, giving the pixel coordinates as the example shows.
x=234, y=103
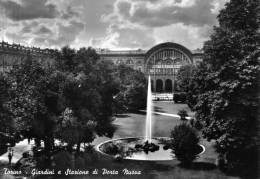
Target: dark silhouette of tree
x=224, y=90
x=133, y=89
x=36, y=101
x=88, y=93
x=185, y=143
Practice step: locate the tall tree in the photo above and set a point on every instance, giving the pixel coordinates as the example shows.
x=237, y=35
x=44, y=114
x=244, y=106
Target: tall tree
x=225, y=88
x=133, y=88
x=36, y=101
x=88, y=93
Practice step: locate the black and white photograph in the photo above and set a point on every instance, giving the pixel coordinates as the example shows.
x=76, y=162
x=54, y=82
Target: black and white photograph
x=129, y=89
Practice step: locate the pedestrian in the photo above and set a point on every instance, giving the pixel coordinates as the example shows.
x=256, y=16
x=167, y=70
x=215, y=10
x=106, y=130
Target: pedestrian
x=10, y=155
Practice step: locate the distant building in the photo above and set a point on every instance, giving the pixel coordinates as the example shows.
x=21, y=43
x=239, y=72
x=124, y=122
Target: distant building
x=14, y=54
x=161, y=62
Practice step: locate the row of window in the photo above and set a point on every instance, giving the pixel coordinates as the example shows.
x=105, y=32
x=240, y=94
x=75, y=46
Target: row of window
x=163, y=71
x=127, y=62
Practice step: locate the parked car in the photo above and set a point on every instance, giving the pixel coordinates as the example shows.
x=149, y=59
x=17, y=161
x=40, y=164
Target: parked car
x=179, y=97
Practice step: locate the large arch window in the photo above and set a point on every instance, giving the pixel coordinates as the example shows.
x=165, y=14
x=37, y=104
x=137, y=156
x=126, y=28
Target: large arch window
x=159, y=85
x=163, y=58
x=178, y=61
x=168, y=85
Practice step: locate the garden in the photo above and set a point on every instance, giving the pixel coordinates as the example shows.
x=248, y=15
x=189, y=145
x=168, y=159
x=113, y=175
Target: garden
x=73, y=109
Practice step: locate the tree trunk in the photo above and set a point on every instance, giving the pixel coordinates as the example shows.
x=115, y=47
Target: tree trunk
x=37, y=142
x=78, y=147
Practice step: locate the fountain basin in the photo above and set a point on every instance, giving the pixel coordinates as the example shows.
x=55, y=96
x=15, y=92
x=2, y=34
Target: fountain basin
x=130, y=149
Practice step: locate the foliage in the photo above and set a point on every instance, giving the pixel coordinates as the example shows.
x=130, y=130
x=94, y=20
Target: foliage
x=184, y=77
x=183, y=114
x=132, y=95
x=184, y=143
x=5, y=120
x=179, y=97
x=196, y=124
x=118, y=149
x=35, y=101
x=72, y=106
x=111, y=148
x=88, y=93
x=224, y=90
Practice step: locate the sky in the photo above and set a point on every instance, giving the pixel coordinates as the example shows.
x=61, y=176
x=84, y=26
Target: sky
x=112, y=24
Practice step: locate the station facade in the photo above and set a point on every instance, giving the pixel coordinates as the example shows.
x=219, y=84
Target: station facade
x=161, y=62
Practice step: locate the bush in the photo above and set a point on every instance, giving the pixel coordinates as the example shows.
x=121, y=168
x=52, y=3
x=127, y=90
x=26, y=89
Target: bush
x=179, y=97
x=111, y=148
x=184, y=143
x=196, y=124
x=183, y=114
x=118, y=149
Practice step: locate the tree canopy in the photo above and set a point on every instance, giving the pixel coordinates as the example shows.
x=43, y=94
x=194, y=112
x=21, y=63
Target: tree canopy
x=133, y=89
x=224, y=90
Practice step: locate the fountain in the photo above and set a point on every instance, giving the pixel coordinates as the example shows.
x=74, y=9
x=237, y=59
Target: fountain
x=149, y=106
x=141, y=148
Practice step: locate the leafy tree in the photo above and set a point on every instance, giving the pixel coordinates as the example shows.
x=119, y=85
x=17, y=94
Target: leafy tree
x=88, y=94
x=185, y=143
x=184, y=77
x=65, y=59
x=35, y=102
x=132, y=88
x=136, y=96
x=224, y=91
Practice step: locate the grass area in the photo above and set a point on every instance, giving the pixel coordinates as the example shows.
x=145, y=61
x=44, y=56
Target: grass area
x=171, y=107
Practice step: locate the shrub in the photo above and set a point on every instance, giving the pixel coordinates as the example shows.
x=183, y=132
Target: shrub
x=183, y=114
x=196, y=124
x=179, y=97
x=118, y=149
x=184, y=143
x=111, y=148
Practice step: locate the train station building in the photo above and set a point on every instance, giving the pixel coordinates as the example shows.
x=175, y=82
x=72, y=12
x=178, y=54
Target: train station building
x=161, y=62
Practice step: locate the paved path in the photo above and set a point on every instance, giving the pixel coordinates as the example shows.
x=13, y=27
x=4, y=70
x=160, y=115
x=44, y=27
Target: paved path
x=19, y=149
x=167, y=114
